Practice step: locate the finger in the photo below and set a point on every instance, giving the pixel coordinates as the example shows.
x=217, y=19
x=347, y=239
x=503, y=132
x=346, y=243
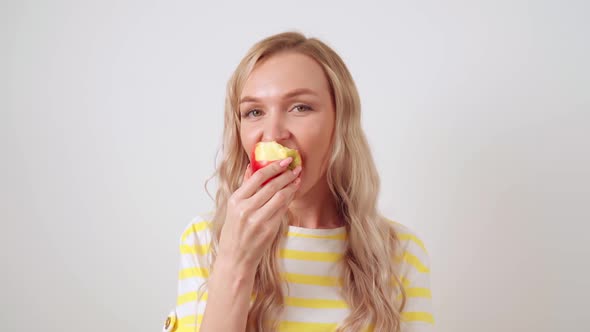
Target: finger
x=250, y=187
x=248, y=172
x=279, y=200
x=247, y=175
x=275, y=219
x=265, y=230
x=273, y=186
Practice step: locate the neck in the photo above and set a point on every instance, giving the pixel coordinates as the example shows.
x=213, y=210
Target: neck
x=317, y=208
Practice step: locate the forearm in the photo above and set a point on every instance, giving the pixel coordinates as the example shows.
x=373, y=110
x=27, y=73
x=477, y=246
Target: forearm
x=229, y=293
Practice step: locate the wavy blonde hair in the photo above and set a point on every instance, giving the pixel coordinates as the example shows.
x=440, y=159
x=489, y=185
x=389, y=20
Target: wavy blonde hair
x=370, y=284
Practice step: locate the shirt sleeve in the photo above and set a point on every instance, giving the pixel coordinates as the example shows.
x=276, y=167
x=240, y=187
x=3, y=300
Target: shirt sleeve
x=417, y=315
x=193, y=272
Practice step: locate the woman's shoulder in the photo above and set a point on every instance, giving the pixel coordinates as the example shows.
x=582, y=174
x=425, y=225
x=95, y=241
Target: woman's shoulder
x=411, y=246
x=197, y=230
x=406, y=233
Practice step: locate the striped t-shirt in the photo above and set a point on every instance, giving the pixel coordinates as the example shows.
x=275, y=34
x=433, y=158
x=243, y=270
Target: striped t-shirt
x=309, y=259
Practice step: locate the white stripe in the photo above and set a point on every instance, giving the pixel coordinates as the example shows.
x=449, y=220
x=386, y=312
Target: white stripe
x=200, y=237
x=190, y=308
x=418, y=304
x=318, y=245
x=189, y=285
x=420, y=280
x=314, y=292
x=308, y=315
x=311, y=267
x=416, y=326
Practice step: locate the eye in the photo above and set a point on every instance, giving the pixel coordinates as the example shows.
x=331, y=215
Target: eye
x=302, y=108
x=252, y=113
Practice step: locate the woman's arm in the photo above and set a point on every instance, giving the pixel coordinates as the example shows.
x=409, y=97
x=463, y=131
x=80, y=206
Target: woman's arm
x=417, y=315
x=253, y=217
x=193, y=272
x=230, y=289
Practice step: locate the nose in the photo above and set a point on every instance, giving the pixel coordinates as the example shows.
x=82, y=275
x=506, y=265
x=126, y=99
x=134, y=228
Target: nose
x=275, y=127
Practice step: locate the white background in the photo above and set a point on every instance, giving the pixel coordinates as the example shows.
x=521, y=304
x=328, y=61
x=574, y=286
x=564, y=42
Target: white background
x=478, y=114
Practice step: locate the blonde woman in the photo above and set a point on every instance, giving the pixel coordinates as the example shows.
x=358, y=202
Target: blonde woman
x=308, y=251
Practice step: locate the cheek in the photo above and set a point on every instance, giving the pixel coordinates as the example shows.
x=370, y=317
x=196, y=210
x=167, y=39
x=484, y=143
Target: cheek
x=248, y=139
x=315, y=140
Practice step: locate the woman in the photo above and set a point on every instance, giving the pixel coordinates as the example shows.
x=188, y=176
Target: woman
x=308, y=251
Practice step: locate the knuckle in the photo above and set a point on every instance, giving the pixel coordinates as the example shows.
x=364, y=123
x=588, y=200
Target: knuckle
x=274, y=186
x=281, y=196
x=277, y=167
x=244, y=214
x=253, y=222
x=258, y=176
x=232, y=201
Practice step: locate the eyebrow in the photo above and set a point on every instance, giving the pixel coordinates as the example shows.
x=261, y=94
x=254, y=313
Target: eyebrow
x=290, y=94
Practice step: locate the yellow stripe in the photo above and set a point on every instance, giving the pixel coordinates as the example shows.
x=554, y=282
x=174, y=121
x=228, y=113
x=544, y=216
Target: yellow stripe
x=418, y=317
x=284, y=253
x=185, y=328
x=190, y=297
x=315, y=303
x=405, y=282
x=194, y=228
x=310, y=255
x=307, y=302
x=414, y=238
x=195, y=250
x=405, y=236
x=308, y=279
x=418, y=292
x=341, y=236
x=400, y=225
x=193, y=272
x=287, y=326
x=186, y=297
x=414, y=261
x=311, y=279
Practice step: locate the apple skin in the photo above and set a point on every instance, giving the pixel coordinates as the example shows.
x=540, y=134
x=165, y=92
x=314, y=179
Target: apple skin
x=278, y=150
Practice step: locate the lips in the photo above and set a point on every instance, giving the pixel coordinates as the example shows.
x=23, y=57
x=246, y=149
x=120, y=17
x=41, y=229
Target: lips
x=264, y=153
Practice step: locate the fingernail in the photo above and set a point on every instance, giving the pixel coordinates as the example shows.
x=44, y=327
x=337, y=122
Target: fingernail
x=286, y=162
x=297, y=170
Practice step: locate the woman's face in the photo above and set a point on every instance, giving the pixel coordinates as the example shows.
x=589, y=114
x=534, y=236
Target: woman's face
x=287, y=99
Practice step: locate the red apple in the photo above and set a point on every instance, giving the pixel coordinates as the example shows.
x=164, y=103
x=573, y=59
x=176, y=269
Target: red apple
x=264, y=153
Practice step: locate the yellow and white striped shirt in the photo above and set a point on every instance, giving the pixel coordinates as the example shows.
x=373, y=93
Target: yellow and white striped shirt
x=309, y=259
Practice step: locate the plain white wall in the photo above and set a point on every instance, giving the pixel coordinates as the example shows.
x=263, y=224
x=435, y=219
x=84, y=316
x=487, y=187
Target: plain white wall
x=478, y=114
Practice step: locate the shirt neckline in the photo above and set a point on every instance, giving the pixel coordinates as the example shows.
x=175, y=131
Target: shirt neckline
x=318, y=231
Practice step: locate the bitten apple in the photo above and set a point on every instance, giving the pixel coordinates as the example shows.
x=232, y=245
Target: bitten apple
x=264, y=153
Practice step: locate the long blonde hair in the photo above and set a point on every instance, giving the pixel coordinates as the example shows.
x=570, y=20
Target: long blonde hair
x=370, y=284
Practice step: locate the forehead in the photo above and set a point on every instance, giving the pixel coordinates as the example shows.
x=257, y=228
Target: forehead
x=285, y=72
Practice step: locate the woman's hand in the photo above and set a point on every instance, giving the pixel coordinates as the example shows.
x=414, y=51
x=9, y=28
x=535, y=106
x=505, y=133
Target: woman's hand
x=254, y=213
